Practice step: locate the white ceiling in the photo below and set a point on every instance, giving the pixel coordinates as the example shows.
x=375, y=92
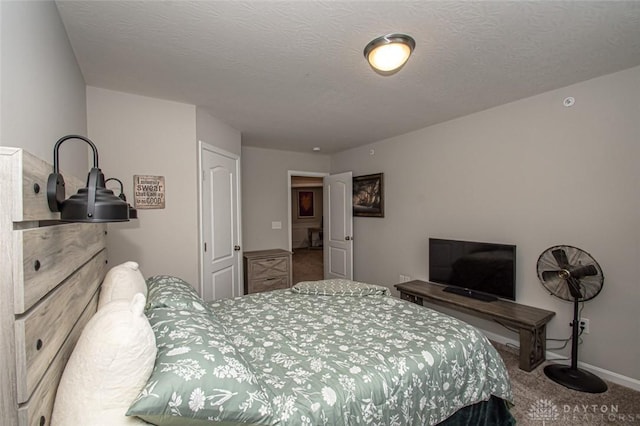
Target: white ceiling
x=292, y=75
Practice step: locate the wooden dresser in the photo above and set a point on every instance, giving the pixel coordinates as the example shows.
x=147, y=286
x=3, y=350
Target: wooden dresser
x=266, y=270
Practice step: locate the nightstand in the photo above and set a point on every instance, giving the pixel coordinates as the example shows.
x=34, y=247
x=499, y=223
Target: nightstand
x=266, y=270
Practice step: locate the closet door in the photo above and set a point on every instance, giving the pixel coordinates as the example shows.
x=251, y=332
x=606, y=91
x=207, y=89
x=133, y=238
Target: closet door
x=220, y=222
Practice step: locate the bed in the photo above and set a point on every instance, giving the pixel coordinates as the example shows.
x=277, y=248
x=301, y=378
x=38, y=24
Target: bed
x=319, y=353
x=323, y=352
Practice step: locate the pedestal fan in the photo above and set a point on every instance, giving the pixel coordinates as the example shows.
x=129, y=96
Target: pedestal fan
x=572, y=274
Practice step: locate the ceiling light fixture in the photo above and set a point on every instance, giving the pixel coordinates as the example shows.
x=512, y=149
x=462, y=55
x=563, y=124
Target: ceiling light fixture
x=388, y=54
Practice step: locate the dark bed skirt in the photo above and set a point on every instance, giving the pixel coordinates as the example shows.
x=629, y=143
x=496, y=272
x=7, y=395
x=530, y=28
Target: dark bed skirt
x=495, y=411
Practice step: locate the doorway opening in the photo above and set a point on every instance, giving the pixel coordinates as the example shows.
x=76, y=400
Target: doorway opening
x=306, y=225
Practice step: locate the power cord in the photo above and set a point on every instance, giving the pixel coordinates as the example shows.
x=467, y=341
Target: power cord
x=566, y=341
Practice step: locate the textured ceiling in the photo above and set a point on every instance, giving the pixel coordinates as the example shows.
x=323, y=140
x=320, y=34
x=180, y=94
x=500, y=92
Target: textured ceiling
x=291, y=75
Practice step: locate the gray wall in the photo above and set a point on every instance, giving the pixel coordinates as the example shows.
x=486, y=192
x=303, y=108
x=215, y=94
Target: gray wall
x=532, y=173
x=147, y=136
x=265, y=193
x=214, y=132
x=43, y=91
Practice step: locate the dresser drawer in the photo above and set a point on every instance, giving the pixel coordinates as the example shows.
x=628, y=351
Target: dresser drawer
x=266, y=268
x=411, y=298
x=268, y=284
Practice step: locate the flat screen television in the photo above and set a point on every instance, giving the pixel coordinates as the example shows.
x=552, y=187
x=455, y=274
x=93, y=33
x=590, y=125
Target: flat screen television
x=484, y=271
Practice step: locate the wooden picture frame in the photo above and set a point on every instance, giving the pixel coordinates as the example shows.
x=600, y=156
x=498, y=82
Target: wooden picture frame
x=305, y=204
x=368, y=195
x=149, y=192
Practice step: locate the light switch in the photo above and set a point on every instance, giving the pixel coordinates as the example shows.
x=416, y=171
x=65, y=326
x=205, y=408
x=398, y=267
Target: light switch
x=276, y=225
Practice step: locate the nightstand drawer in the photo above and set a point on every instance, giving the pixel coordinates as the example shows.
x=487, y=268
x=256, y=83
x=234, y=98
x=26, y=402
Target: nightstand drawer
x=266, y=268
x=268, y=284
x=411, y=298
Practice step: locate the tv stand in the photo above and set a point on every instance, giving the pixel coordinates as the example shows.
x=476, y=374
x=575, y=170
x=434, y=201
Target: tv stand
x=531, y=322
x=470, y=293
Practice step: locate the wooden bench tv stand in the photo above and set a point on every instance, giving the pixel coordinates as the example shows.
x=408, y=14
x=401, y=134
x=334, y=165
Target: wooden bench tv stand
x=531, y=322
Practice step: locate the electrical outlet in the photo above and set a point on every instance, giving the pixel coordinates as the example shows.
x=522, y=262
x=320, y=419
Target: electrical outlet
x=584, y=324
x=404, y=278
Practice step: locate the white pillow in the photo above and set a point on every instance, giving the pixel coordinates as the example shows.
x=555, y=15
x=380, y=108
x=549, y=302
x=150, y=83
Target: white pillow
x=122, y=282
x=110, y=364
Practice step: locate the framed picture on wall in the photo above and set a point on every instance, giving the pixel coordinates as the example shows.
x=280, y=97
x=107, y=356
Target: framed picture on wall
x=368, y=195
x=305, y=204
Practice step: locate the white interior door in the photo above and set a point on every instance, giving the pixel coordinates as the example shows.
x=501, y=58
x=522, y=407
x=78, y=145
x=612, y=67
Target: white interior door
x=220, y=224
x=338, y=226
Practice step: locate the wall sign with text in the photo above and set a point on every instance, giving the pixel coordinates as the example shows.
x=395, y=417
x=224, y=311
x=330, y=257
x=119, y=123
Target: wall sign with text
x=148, y=191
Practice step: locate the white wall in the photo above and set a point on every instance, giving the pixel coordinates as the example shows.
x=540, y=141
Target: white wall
x=214, y=132
x=532, y=173
x=265, y=193
x=42, y=89
x=145, y=136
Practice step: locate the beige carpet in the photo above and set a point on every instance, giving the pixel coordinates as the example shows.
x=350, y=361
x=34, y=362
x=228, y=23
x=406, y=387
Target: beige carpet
x=540, y=401
x=307, y=265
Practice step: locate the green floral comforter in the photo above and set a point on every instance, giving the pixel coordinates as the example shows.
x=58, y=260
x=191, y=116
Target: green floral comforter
x=297, y=357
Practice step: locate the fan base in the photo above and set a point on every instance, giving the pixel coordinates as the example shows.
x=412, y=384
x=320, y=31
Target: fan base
x=575, y=378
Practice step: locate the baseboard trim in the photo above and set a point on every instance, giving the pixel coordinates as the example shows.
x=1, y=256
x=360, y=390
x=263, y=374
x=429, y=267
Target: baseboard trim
x=607, y=375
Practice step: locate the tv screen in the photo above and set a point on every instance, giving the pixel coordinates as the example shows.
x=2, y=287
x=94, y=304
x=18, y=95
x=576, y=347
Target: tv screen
x=474, y=268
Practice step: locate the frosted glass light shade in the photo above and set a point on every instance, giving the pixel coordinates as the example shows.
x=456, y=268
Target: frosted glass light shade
x=389, y=53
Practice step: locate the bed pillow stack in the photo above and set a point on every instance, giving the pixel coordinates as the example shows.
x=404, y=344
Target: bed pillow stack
x=122, y=282
x=113, y=357
x=339, y=287
x=166, y=291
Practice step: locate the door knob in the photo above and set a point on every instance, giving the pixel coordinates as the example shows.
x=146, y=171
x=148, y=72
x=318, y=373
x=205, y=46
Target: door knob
x=236, y=248
x=348, y=238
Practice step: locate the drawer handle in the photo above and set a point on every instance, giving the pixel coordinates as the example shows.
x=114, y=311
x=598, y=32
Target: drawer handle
x=271, y=279
x=36, y=188
x=43, y=420
x=39, y=344
x=36, y=265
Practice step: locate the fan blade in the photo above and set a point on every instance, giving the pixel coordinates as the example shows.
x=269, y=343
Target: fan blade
x=574, y=287
x=550, y=275
x=590, y=287
x=561, y=258
x=584, y=271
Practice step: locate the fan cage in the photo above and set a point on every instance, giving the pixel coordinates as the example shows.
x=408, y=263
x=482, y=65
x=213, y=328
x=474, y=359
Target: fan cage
x=590, y=286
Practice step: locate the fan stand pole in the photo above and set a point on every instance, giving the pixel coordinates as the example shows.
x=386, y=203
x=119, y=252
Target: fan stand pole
x=575, y=333
x=572, y=377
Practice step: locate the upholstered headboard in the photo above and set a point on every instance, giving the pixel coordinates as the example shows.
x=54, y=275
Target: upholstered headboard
x=49, y=283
